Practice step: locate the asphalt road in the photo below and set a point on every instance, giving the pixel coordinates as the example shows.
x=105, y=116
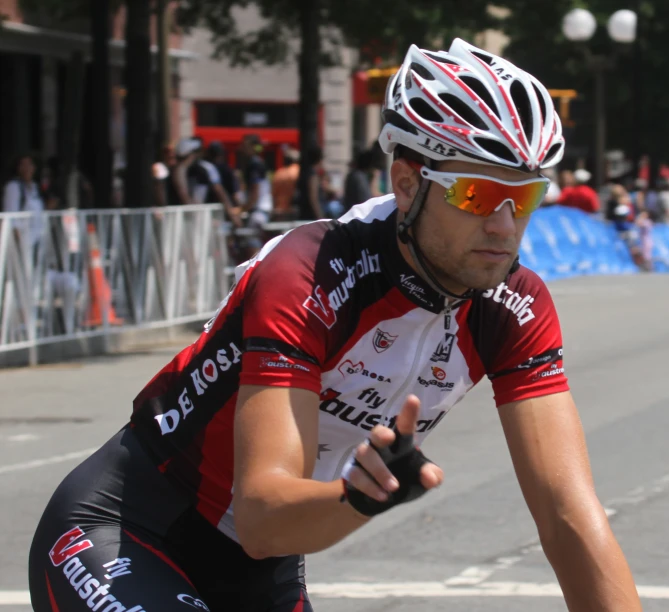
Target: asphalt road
x=471, y=545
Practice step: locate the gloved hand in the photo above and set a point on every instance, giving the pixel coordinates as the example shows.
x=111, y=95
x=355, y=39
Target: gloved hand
x=388, y=470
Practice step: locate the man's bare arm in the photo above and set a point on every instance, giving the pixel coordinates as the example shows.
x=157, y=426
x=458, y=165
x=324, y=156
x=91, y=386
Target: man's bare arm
x=548, y=450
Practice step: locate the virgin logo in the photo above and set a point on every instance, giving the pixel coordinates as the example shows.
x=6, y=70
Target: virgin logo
x=319, y=306
x=65, y=547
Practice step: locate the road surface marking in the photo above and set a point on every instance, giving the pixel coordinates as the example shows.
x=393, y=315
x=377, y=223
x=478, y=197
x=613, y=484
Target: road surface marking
x=28, y=465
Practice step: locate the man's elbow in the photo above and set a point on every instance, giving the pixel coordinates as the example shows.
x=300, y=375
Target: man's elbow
x=252, y=526
x=568, y=529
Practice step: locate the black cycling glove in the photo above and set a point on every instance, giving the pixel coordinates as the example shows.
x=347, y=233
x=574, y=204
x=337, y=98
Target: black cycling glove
x=404, y=461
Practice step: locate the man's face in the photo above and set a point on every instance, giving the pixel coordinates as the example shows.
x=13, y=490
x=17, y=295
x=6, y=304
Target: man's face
x=464, y=250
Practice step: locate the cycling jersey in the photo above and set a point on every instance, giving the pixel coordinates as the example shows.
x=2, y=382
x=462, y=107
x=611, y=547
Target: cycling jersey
x=334, y=308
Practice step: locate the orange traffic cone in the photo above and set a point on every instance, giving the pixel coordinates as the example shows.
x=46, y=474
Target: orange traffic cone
x=99, y=287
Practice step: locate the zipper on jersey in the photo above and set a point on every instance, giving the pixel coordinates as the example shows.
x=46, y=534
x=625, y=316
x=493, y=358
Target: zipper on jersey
x=447, y=316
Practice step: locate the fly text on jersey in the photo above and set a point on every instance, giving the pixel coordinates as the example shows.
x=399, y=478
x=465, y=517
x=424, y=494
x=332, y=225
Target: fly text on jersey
x=520, y=306
x=325, y=306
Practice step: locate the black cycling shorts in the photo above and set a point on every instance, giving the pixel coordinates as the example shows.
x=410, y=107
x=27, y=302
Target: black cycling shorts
x=117, y=537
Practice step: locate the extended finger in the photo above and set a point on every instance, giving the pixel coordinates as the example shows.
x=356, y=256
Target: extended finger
x=381, y=436
x=406, y=419
x=367, y=456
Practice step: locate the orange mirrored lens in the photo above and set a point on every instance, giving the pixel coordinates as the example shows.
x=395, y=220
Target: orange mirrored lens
x=483, y=196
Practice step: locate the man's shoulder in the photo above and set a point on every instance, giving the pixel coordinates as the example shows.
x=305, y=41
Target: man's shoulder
x=518, y=299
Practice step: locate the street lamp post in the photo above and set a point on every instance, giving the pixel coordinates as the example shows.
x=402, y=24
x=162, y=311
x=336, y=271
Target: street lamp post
x=579, y=25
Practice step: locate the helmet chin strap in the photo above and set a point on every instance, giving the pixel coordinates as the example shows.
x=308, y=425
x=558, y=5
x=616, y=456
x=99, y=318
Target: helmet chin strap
x=419, y=257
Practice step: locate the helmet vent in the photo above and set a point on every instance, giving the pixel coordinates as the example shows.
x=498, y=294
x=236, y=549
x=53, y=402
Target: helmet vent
x=542, y=103
x=443, y=60
x=522, y=103
x=422, y=71
x=496, y=148
x=425, y=110
x=552, y=152
x=482, y=56
x=394, y=118
x=463, y=110
x=481, y=91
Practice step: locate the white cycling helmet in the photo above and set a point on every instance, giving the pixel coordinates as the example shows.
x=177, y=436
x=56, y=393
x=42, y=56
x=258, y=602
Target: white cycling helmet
x=471, y=105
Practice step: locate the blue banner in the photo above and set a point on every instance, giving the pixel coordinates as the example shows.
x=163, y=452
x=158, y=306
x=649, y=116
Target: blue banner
x=561, y=242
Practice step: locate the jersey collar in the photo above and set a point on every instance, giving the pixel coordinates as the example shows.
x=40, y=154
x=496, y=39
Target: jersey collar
x=404, y=277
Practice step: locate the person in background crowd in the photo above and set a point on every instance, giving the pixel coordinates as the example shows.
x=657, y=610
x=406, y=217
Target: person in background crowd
x=332, y=206
x=645, y=225
x=205, y=185
x=22, y=194
x=565, y=179
x=580, y=195
x=186, y=152
x=645, y=197
x=164, y=190
x=217, y=155
x=284, y=187
x=258, y=204
x=311, y=201
x=554, y=191
x=663, y=195
x=357, y=188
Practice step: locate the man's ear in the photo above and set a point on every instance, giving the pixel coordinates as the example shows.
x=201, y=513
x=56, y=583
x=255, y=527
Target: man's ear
x=405, y=181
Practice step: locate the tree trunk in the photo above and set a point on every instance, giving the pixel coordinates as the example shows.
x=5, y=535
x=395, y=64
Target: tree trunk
x=100, y=26
x=164, y=76
x=139, y=154
x=310, y=53
x=71, y=130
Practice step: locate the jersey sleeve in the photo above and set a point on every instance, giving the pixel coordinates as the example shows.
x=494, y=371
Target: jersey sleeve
x=284, y=343
x=526, y=358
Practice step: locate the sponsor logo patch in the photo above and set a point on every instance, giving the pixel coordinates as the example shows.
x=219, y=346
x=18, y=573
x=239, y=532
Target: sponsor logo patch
x=518, y=305
x=382, y=341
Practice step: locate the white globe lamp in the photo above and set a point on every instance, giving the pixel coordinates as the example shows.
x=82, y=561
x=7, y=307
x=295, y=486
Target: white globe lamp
x=622, y=26
x=579, y=25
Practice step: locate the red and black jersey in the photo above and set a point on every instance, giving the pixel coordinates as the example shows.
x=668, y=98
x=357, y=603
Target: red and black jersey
x=334, y=308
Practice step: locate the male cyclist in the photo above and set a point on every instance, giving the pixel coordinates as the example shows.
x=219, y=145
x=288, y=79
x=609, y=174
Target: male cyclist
x=296, y=416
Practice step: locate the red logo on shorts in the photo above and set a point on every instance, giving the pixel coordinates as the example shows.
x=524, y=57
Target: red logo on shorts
x=65, y=548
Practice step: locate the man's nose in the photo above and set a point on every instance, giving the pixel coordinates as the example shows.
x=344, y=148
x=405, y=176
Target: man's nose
x=501, y=222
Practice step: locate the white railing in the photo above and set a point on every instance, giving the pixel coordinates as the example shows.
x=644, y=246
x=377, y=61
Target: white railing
x=74, y=274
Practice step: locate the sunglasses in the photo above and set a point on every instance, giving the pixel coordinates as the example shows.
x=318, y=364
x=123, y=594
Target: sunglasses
x=482, y=195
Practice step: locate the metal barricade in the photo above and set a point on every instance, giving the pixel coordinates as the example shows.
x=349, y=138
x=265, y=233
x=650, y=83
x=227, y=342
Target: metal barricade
x=67, y=275
x=73, y=274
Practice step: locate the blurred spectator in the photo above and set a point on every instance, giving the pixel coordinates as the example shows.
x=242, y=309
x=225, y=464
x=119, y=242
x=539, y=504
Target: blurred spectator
x=186, y=153
x=645, y=225
x=284, y=187
x=663, y=194
x=554, y=191
x=22, y=194
x=311, y=202
x=217, y=155
x=164, y=191
x=332, y=206
x=580, y=195
x=357, y=186
x=619, y=207
x=205, y=186
x=258, y=202
x=645, y=197
x=566, y=179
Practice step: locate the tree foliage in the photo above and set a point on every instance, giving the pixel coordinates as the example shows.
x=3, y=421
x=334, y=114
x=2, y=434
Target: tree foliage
x=637, y=97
